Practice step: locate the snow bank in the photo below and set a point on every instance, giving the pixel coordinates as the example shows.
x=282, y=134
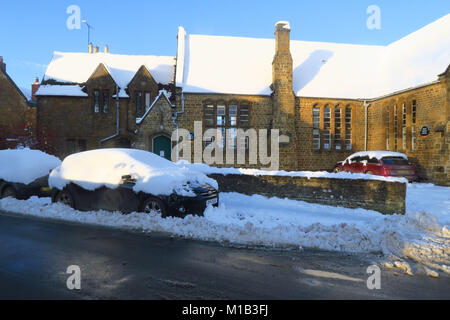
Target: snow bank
x=93, y=169
x=421, y=236
x=25, y=165
x=306, y=174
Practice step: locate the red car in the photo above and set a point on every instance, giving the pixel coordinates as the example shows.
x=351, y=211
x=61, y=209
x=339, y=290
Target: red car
x=380, y=163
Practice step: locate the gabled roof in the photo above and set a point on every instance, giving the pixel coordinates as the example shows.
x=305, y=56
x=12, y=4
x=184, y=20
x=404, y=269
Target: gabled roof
x=162, y=93
x=234, y=65
x=76, y=68
x=15, y=85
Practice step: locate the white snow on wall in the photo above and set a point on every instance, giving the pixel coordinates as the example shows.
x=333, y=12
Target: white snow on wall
x=234, y=65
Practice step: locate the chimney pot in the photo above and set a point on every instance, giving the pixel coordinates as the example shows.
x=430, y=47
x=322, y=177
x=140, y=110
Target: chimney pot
x=96, y=48
x=34, y=88
x=106, y=49
x=91, y=47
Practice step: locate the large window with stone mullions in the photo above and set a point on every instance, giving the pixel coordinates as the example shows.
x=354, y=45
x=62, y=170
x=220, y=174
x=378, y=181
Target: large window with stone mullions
x=226, y=118
x=329, y=132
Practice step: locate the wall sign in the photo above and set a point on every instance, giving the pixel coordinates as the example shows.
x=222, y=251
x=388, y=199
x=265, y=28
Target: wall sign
x=425, y=131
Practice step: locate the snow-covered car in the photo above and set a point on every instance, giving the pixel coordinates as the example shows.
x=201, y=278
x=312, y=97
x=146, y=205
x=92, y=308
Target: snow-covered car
x=381, y=163
x=129, y=180
x=24, y=173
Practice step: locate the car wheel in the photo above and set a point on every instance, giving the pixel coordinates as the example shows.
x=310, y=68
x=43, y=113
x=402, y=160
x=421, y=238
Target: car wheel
x=369, y=172
x=65, y=198
x=9, y=192
x=153, y=204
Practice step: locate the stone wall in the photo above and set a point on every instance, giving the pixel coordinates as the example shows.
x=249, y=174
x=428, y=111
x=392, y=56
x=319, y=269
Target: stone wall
x=431, y=154
x=382, y=196
x=14, y=110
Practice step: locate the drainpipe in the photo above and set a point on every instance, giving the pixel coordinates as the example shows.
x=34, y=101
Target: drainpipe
x=366, y=125
x=175, y=123
x=117, y=120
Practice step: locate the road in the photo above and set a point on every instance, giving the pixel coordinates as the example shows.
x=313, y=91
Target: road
x=116, y=264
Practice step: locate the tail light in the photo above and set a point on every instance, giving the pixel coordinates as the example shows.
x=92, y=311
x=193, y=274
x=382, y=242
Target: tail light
x=386, y=172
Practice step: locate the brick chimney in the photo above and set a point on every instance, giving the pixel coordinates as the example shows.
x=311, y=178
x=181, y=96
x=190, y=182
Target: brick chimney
x=2, y=65
x=34, y=88
x=282, y=82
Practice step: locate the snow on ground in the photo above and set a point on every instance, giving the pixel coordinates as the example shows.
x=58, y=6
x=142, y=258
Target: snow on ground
x=417, y=242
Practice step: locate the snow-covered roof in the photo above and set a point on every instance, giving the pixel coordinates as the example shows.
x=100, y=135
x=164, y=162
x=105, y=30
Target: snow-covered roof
x=162, y=93
x=235, y=65
x=61, y=90
x=71, y=67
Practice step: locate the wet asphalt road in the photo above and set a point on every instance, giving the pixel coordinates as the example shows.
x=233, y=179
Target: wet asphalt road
x=117, y=264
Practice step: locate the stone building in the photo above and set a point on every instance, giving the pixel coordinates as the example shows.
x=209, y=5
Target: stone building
x=329, y=99
x=16, y=113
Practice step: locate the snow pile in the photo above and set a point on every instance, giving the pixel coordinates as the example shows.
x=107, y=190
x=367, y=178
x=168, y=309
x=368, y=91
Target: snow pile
x=25, y=165
x=200, y=167
x=94, y=169
x=422, y=236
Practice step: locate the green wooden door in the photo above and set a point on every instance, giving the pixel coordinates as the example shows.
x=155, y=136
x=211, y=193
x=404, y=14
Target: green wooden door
x=162, y=146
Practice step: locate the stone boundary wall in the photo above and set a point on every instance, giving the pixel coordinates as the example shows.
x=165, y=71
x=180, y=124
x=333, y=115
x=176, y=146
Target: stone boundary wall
x=382, y=196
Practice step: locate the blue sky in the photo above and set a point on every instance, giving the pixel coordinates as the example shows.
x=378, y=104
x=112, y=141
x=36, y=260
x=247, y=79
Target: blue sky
x=32, y=30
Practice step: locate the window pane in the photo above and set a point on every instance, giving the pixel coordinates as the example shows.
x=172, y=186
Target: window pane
x=96, y=101
x=326, y=117
x=316, y=117
x=209, y=115
x=243, y=115
x=221, y=115
x=413, y=139
x=105, y=101
x=326, y=139
x=147, y=101
x=232, y=113
x=138, y=104
x=316, y=139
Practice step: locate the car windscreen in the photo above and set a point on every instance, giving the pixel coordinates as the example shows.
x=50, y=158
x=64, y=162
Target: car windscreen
x=395, y=160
